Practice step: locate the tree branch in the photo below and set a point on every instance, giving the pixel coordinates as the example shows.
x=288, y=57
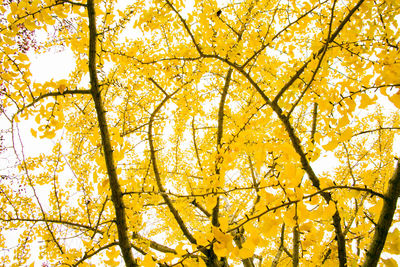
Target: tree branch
x=385, y=219
x=87, y=256
x=319, y=52
x=157, y=175
x=220, y=132
x=296, y=240
x=116, y=193
x=43, y=96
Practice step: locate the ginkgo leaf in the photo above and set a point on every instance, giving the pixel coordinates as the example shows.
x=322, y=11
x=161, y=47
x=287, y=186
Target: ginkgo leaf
x=346, y=135
x=34, y=133
x=148, y=261
x=392, y=244
x=390, y=262
x=395, y=99
x=37, y=118
x=245, y=253
x=30, y=25
x=220, y=249
x=219, y=235
x=180, y=250
x=330, y=210
x=343, y=121
x=62, y=88
x=47, y=18
x=8, y=41
x=366, y=101
x=331, y=145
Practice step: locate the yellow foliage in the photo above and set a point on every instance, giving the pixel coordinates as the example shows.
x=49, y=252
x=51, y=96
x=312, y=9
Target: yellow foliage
x=392, y=242
x=148, y=261
x=201, y=125
x=390, y=262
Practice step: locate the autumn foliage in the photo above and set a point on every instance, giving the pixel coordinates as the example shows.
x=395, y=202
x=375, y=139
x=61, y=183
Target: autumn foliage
x=203, y=133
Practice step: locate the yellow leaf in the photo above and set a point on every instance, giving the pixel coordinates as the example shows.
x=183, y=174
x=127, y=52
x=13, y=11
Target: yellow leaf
x=245, y=253
x=343, y=121
x=104, y=184
x=9, y=41
x=220, y=249
x=198, y=262
x=383, y=91
x=393, y=242
x=366, y=101
x=330, y=210
x=211, y=201
x=34, y=133
x=37, y=118
x=62, y=88
x=354, y=193
x=220, y=236
x=299, y=193
x=179, y=249
x=61, y=11
x=395, y=99
x=307, y=226
x=391, y=73
x=346, y=135
x=202, y=240
x=268, y=225
x=390, y=262
x=224, y=223
x=376, y=209
x=148, y=261
x=30, y=25
x=111, y=262
x=50, y=134
x=112, y=253
x=331, y=145
x=47, y=18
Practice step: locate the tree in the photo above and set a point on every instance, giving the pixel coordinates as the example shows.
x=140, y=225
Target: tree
x=193, y=133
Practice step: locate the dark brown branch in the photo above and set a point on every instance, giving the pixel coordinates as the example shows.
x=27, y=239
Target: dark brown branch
x=296, y=240
x=43, y=96
x=291, y=202
x=281, y=248
x=319, y=52
x=162, y=248
x=220, y=132
x=196, y=149
x=330, y=188
x=53, y=221
x=87, y=256
x=376, y=130
x=154, y=245
x=157, y=174
x=158, y=86
x=282, y=31
x=186, y=27
x=116, y=193
x=314, y=122
x=99, y=218
x=201, y=208
x=385, y=220
x=71, y=2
